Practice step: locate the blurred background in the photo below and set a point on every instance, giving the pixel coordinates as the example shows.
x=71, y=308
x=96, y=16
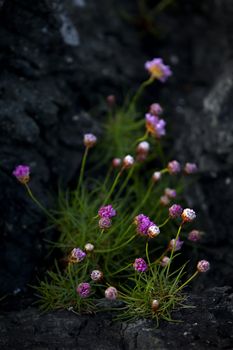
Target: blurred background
x=60, y=60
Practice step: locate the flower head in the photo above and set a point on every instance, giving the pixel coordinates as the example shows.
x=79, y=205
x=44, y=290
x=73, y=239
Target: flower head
x=158, y=69
x=203, y=266
x=188, y=215
x=175, y=245
x=89, y=140
x=22, y=173
x=190, y=168
x=175, y=211
x=89, y=247
x=116, y=162
x=194, y=236
x=173, y=167
x=143, y=223
x=111, y=100
x=164, y=261
x=140, y=265
x=105, y=223
x=83, y=289
x=111, y=293
x=128, y=161
x=156, y=176
x=170, y=193
x=143, y=147
x=155, y=126
x=107, y=211
x=165, y=200
x=155, y=109
x=77, y=255
x=96, y=275
x=153, y=231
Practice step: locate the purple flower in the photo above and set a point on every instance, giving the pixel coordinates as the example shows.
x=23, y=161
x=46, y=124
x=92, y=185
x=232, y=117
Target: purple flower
x=107, y=212
x=203, y=266
x=170, y=193
x=77, y=255
x=175, y=211
x=140, y=265
x=89, y=140
x=158, y=69
x=190, y=168
x=105, y=223
x=175, y=244
x=111, y=293
x=155, y=109
x=194, y=236
x=143, y=223
x=22, y=173
x=173, y=167
x=155, y=126
x=83, y=289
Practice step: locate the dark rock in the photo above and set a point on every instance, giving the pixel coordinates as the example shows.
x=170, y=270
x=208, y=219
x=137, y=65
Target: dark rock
x=207, y=325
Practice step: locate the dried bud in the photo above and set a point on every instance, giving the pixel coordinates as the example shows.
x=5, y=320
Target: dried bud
x=155, y=305
x=89, y=140
x=96, y=275
x=153, y=231
x=111, y=293
x=156, y=176
x=89, y=247
x=164, y=261
x=116, y=162
x=128, y=161
x=203, y=266
x=188, y=215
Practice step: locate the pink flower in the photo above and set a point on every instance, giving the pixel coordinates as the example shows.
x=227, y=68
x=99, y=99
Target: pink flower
x=89, y=140
x=156, y=176
x=155, y=126
x=96, y=275
x=170, y=193
x=140, y=265
x=22, y=173
x=116, y=162
x=190, y=168
x=107, y=211
x=203, y=266
x=164, y=261
x=143, y=223
x=175, y=245
x=128, y=161
x=105, y=223
x=155, y=109
x=173, y=167
x=188, y=215
x=111, y=293
x=175, y=211
x=84, y=289
x=194, y=236
x=77, y=255
x=158, y=69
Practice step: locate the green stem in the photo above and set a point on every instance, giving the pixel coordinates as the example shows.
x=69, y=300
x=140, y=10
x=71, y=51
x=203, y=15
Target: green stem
x=115, y=248
x=113, y=187
x=143, y=138
x=187, y=282
x=82, y=170
x=147, y=253
x=38, y=203
x=173, y=250
x=125, y=182
x=122, y=269
x=165, y=222
x=140, y=91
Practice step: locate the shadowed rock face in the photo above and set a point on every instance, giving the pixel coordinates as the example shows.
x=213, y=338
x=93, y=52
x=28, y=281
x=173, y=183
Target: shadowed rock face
x=58, y=63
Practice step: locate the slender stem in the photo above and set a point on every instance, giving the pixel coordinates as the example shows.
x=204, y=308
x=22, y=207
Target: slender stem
x=147, y=253
x=147, y=195
x=143, y=138
x=125, y=182
x=113, y=186
x=173, y=250
x=140, y=91
x=82, y=170
x=165, y=222
x=122, y=269
x=187, y=282
x=161, y=256
x=38, y=203
x=115, y=248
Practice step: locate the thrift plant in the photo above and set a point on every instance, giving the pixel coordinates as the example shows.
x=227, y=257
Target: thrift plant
x=121, y=233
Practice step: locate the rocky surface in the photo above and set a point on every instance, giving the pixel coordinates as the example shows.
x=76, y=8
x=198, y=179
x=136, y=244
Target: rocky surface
x=208, y=325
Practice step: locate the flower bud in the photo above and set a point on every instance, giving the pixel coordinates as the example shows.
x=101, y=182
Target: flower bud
x=89, y=140
x=153, y=231
x=105, y=223
x=143, y=147
x=170, y=193
x=140, y=265
x=116, y=162
x=111, y=100
x=111, y=293
x=175, y=211
x=77, y=255
x=164, y=200
x=190, y=168
x=188, y=215
x=89, y=247
x=96, y=275
x=156, y=176
x=128, y=161
x=164, y=261
x=155, y=305
x=84, y=289
x=203, y=266
x=175, y=245
x=194, y=236
x=155, y=109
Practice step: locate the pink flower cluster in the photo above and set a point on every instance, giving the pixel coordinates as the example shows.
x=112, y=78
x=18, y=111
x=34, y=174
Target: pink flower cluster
x=143, y=223
x=140, y=265
x=158, y=69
